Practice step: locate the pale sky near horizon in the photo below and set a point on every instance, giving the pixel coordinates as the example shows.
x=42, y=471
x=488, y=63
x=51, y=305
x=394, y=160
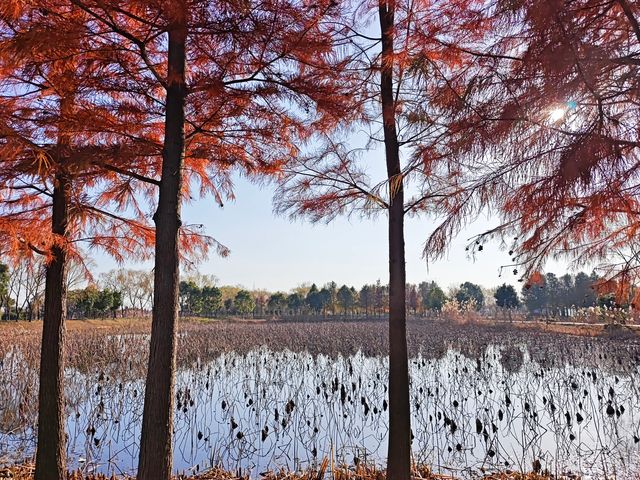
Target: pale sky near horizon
x=276, y=254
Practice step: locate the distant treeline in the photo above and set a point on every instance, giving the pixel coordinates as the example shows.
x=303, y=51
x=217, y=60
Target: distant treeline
x=554, y=296
x=208, y=300
x=562, y=296
x=124, y=291
x=92, y=302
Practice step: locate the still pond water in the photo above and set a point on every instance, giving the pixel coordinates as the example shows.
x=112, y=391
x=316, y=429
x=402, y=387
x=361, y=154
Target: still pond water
x=493, y=408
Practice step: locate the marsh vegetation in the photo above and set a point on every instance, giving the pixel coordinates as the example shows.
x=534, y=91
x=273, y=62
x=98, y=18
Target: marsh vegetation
x=259, y=397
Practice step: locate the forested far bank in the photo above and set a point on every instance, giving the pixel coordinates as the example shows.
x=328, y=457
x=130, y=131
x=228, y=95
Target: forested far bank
x=129, y=293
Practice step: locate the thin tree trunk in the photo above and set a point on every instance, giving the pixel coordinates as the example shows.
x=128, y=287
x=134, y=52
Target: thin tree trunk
x=157, y=422
x=399, y=453
x=51, y=450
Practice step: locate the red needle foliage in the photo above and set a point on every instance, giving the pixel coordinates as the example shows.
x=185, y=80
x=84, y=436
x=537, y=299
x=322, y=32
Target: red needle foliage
x=248, y=65
x=50, y=86
x=64, y=158
x=549, y=134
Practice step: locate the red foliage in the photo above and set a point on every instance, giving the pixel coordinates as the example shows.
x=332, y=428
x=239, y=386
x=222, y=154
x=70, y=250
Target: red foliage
x=57, y=118
x=549, y=132
x=109, y=58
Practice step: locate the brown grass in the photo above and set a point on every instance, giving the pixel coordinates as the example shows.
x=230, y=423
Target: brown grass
x=26, y=472
x=584, y=330
x=91, y=344
x=143, y=325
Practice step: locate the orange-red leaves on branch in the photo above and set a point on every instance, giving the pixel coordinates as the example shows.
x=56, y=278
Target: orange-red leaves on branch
x=620, y=288
x=58, y=118
x=535, y=279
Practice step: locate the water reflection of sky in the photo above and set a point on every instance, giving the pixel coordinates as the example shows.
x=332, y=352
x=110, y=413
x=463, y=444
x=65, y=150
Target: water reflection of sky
x=499, y=409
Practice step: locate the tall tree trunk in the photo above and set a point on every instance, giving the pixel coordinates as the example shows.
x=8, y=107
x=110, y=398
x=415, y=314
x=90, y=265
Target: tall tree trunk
x=157, y=421
x=51, y=450
x=399, y=453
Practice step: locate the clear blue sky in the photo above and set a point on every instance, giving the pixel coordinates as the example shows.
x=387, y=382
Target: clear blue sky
x=274, y=253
